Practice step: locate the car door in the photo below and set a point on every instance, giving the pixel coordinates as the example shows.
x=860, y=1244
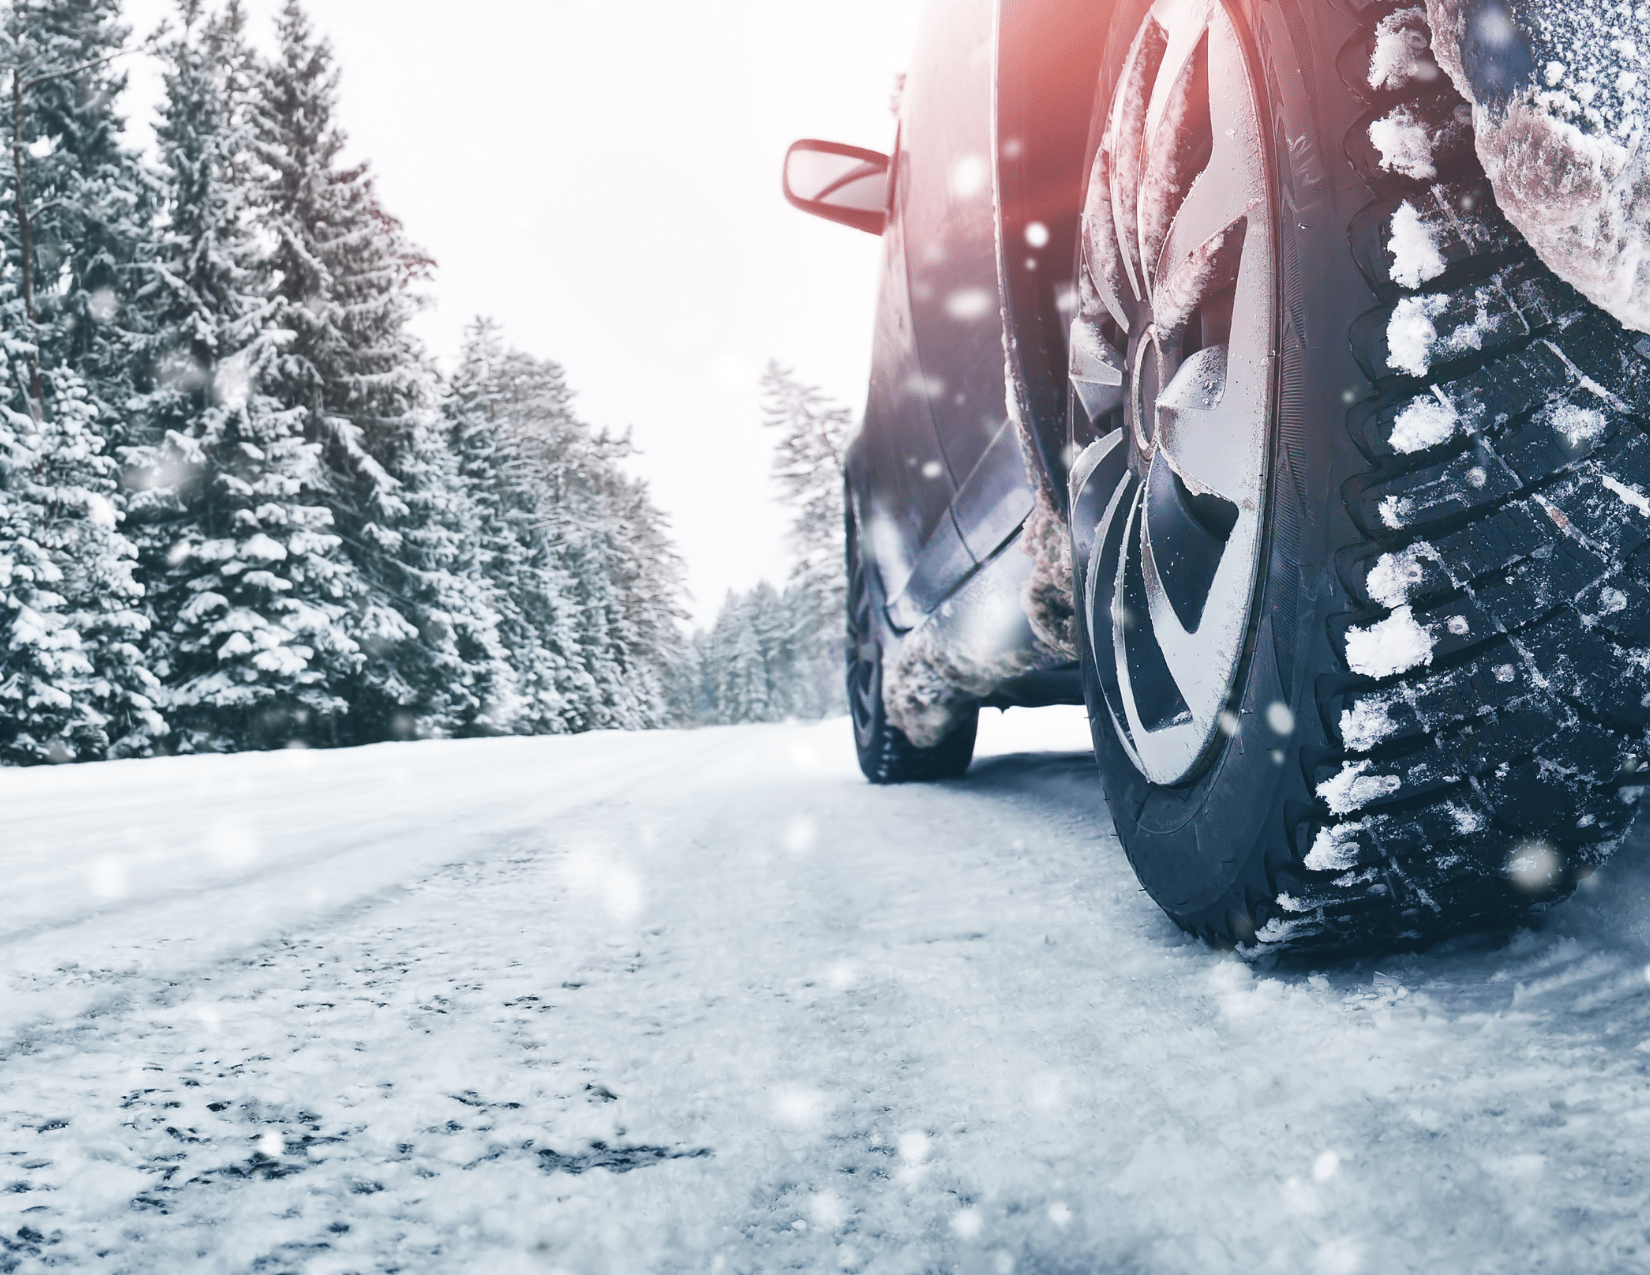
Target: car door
x=920, y=555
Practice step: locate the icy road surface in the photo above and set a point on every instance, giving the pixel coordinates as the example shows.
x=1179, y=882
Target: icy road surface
x=708, y=1002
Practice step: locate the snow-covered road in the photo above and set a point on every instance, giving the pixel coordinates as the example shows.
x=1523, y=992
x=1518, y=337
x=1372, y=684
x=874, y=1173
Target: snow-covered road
x=709, y=1002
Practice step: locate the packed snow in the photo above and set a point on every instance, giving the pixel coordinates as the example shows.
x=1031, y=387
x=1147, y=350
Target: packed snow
x=1402, y=143
x=1632, y=497
x=1353, y=787
x=1425, y=421
x=1365, y=724
x=1390, y=646
x=1415, y=255
x=1395, y=574
x=1400, y=53
x=708, y=1002
x=1335, y=848
x=1410, y=334
x=1395, y=511
x=1580, y=426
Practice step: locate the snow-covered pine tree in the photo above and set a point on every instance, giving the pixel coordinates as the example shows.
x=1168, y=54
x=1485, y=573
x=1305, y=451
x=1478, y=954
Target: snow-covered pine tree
x=649, y=594
x=758, y=662
x=248, y=580
x=589, y=586
x=536, y=619
x=73, y=680
x=76, y=204
x=343, y=277
x=460, y=677
x=88, y=204
x=808, y=467
x=624, y=572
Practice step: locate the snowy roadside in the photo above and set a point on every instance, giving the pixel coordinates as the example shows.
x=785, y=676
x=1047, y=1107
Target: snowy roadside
x=707, y=1001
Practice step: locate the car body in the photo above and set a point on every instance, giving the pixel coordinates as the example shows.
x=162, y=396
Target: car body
x=1215, y=385
x=966, y=412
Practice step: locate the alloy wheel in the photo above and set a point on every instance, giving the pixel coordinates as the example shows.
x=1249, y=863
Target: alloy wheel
x=1172, y=354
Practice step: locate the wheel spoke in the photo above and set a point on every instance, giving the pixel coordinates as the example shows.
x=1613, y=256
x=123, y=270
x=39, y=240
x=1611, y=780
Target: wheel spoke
x=1150, y=698
x=1208, y=268
x=1200, y=682
x=1178, y=142
x=1201, y=659
x=1204, y=437
x=1096, y=370
x=1216, y=199
x=1125, y=133
x=1099, y=585
x=1104, y=270
x=1195, y=257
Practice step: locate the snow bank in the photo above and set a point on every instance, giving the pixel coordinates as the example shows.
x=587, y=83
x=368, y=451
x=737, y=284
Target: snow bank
x=1559, y=114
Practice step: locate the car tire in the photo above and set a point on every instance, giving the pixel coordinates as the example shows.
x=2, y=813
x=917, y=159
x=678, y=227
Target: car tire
x=1430, y=711
x=886, y=756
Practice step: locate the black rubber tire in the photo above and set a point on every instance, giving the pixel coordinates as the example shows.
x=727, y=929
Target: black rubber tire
x=1492, y=779
x=886, y=756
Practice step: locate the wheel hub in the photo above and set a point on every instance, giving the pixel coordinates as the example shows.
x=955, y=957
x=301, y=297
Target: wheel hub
x=1172, y=362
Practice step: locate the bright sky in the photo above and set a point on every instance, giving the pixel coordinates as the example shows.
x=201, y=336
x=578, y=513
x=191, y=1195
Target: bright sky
x=602, y=177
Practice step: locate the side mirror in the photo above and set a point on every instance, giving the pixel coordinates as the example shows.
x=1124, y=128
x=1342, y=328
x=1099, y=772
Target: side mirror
x=839, y=183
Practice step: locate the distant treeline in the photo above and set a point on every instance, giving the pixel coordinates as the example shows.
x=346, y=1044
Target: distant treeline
x=238, y=506
x=777, y=653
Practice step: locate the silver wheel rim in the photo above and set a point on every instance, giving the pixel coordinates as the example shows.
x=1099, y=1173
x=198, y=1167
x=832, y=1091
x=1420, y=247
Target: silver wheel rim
x=1172, y=355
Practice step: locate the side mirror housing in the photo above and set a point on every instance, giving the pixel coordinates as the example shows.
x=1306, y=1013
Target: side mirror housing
x=839, y=183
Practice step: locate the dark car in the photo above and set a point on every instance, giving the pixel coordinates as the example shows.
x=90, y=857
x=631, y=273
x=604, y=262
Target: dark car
x=1211, y=388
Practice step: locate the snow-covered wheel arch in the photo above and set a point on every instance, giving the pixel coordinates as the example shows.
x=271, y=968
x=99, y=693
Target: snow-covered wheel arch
x=1560, y=116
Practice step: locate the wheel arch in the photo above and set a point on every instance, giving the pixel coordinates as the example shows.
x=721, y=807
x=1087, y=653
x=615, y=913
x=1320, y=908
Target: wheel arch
x=1048, y=55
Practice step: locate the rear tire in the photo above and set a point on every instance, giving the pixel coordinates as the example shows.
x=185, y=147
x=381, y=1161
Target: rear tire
x=886, y=756
x=1437, y=714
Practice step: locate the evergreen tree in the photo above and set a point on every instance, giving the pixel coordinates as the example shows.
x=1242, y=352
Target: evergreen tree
x=76, y=209
x=87, y=204
x=808, y=468
x=307, y=536
x=251, y=588
x=498, y=401
x=342, y=276
x=758, y=662
x=460, y=676
x=771, y=654
x=586, y=580
x=73, y=681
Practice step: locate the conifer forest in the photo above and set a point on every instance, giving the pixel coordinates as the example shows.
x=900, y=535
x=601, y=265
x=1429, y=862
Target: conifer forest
x=241, y=507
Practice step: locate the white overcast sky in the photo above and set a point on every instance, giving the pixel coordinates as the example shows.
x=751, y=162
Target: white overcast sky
x=602, y=177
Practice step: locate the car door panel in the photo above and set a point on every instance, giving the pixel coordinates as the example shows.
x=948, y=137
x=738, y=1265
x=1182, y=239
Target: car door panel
x=949, y=227
x=996, y=497
x=907, y=479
